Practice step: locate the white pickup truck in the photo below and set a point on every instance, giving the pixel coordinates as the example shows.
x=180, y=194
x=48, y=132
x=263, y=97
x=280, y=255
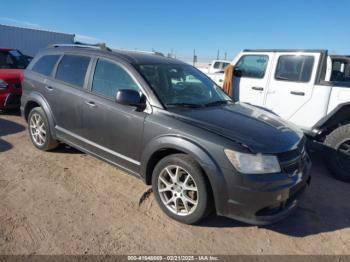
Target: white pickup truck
x=306, y=87
x=215, y=67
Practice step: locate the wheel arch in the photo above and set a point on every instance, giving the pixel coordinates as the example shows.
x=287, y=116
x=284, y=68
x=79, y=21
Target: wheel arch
x=35, y=99
x=164, y=146
x=337, y=117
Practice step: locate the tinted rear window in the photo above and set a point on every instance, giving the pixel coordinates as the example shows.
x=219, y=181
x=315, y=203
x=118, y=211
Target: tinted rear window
x=294, y=68
x=72, y=69
x=45, y=64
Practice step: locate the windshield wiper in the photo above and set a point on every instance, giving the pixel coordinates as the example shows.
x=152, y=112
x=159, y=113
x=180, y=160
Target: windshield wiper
x=219, y=102
x=189, y=105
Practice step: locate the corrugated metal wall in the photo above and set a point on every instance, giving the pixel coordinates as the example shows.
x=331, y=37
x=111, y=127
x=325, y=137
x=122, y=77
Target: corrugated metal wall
x=30, y=41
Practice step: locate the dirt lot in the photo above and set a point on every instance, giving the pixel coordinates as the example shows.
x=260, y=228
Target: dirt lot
x=66, y=202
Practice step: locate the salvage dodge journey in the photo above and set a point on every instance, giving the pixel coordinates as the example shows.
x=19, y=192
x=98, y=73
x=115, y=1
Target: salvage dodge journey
x=167, y=123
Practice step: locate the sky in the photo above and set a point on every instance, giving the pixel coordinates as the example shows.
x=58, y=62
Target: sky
x=182, y=26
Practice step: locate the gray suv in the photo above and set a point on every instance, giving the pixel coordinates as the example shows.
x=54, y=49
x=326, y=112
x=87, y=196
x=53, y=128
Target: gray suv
x=168, y=124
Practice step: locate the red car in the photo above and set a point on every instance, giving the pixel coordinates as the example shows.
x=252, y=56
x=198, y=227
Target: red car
x=12, y=64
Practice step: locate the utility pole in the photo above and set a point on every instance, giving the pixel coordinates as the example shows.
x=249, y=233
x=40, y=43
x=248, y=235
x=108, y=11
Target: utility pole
x=225, y=55
x=194, y=57
x=218, y=55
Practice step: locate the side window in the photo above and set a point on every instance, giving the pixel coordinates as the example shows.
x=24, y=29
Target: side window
x=109, y=78
x=224, y=65
x=72, y=69
x=253, y=66
x=45, y=64
x=341, y=71
x=217, y=65
x=294, y=68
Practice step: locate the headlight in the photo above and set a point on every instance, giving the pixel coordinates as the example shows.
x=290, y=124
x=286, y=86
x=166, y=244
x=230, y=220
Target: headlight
x=253, y=164
x=3, y=84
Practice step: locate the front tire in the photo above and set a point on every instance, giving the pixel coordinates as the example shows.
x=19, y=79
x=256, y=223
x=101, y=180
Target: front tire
x=180, y=189
x=39, y=130
x=338, y=155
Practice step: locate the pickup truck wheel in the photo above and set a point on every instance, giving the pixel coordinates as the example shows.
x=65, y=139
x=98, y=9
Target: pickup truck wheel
x=338, y=156
x=181, y=189
x=39, y=130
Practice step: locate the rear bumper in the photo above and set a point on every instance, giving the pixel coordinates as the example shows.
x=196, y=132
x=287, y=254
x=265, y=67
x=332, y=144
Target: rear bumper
x=265, y=199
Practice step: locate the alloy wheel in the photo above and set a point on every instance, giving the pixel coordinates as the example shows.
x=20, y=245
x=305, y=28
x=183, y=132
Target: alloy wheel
x=37, y=129
x=178, y=190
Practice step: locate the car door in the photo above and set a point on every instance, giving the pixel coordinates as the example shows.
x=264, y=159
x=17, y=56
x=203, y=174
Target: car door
x=113, y=131
x=250, y=87
x=65, y=94
x=292, y=82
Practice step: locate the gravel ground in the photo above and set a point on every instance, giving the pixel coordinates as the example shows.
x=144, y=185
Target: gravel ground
x=67, y=202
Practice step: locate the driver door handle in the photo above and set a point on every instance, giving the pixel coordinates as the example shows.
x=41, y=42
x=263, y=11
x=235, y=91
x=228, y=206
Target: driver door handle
x=257, y=88
x=90, y=104
x=297, y=93
x=49, y=88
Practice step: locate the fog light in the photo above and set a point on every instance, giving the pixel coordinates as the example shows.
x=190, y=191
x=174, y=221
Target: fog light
x=279, y=197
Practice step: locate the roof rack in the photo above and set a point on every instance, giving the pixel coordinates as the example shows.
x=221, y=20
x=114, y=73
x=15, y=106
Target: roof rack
x=140, y=51
x=101, y=46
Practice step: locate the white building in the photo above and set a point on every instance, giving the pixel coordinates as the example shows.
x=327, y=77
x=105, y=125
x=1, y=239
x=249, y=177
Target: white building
x=30, y=41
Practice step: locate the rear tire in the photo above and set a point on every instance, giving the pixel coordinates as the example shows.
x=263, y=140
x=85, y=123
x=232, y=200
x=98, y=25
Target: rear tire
x=179, y=180
x=338, y=152
x=39, y=130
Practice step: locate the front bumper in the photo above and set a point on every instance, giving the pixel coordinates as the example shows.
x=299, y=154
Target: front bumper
x=11, y=97
x=12, y=101
x=265, y=198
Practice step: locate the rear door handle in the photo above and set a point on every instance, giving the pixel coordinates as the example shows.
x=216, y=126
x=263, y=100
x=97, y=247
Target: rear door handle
x=90, y=103
x=257, y=88
x=50, y=88
x=297, y=93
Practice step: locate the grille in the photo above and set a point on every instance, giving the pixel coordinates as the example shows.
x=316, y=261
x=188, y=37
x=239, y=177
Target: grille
x=292, y=161
x=292, y=167
x=18, y=86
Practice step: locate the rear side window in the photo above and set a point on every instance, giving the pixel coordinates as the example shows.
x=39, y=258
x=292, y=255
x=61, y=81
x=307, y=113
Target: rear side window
x=253, y=66
x=294, y=68
x=109, y=78
x=340, y=70
x=72, y=69
x=45, y=64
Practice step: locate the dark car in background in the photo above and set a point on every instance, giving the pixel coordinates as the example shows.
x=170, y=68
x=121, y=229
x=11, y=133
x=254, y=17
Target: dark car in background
x=167, y=123
x=12, y=64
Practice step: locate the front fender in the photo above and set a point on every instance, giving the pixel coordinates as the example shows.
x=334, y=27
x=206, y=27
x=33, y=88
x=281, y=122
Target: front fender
x=208, y=164
x=339, y=115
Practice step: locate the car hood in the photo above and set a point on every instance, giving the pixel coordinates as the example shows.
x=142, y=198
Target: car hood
x=11, y=75
x=257, y=129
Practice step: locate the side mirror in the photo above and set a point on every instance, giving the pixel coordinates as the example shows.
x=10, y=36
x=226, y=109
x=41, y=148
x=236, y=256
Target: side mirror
x=130, y=97
x=237, y=72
